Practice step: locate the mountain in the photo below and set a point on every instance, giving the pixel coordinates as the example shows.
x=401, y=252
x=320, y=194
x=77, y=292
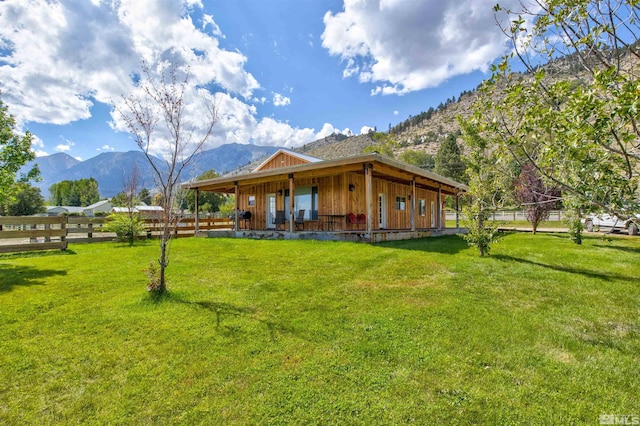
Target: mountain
x=111, y=169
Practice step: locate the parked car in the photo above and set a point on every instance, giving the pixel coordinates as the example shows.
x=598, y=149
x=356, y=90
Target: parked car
x=604, y=220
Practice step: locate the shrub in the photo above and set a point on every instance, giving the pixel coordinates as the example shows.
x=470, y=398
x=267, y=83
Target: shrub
x=153, y=274
x=126, y=227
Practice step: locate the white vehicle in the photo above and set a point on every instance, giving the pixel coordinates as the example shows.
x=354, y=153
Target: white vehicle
x=596, y=222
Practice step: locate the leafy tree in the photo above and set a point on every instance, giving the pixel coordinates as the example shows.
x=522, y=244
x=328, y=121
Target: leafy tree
x=27, y=201
x=485, y=185
x=119, y=200
x=145, y=196
x=580, y=131
x=155, y=115
x=127, y=227
x=79, y=193
x=15, y=152
x=419, y=159
x=207, y=201
x=537, y=198
x=228, y=207
x=385, y=144
x=448, y=160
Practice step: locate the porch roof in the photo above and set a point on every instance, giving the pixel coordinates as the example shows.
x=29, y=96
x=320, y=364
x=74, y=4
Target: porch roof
x=383, y=167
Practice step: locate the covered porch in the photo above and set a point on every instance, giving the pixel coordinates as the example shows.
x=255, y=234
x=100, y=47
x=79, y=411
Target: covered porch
x=368, y=198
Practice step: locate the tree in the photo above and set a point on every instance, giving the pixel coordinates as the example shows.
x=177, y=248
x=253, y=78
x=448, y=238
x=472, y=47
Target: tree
x=207, y=201
x=537, y=198
x=579, y=130
x=119, y=200
x=26, y=201
x=485, y=185
x=127, y=226
x=15, y=152
x=448, y=160
x=385, y=144
x=419, y=159
x=145, y=196
x=79, y=193
x=155, y=116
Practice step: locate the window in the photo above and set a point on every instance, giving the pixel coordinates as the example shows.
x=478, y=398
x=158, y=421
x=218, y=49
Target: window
x=304, y=198
x=252, y=200
x=401, y=203
x=422, y=206
x=433, y=214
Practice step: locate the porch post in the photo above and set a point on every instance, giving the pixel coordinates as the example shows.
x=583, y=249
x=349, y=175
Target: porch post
x=439, y=208
x=197, y=208
x=413, y=205
x=368, y=186
x=236, y=216
x=457, y=210
x=291, y=203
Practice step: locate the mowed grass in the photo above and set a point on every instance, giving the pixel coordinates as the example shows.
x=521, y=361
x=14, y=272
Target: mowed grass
x=295, y=332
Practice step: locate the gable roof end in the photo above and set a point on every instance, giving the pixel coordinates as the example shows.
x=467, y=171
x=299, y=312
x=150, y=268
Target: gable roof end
x=305, y=158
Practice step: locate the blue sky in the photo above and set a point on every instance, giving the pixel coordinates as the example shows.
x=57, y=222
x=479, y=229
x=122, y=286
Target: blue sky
x=282, y=72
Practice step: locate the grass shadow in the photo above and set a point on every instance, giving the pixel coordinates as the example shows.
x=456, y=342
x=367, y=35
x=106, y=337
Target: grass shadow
x=31, y=254
x=571, y=270
x=632, y=250
x=446, y=244
x=222, y=310
x=12, y=276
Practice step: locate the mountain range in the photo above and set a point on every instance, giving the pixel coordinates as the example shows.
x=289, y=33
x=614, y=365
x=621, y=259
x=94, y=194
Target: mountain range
x=111, y=169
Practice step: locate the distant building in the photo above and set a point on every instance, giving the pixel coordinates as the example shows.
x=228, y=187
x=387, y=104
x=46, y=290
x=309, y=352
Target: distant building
x=60, y=210
x=103, y=206
x=145, y=211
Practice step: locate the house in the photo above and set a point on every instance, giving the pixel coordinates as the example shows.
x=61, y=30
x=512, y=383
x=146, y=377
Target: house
x=103, y=206
x=62, y=210
x=367, y=197
x=145, y=211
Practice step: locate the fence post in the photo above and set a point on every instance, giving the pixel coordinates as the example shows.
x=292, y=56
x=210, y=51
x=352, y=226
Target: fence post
x=63, y=238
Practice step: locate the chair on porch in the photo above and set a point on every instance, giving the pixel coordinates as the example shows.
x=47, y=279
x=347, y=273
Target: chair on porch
x=299, y=220
x=362, y=219
x=352, y=219
x=280, y=219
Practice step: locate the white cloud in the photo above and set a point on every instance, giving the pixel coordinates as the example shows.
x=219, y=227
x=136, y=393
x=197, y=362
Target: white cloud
x=36, y=141
x=366, y=129
x=62, y=57
x=59, y=58
x=396, y=112
x=66, y=146
x=40, y=153
x=407, y=45
x=106, y=148
x=280, y=100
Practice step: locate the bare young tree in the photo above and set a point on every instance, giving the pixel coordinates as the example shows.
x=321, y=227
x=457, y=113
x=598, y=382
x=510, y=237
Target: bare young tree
x=156, y=117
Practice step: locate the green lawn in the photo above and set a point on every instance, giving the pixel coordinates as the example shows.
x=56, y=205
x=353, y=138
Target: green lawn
x=541, y=332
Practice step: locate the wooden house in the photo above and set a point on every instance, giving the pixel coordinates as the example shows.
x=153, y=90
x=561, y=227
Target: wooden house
x=367, y=197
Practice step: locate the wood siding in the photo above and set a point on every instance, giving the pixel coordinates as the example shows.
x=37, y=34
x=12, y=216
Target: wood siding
x=334, y=197
x=282, y=160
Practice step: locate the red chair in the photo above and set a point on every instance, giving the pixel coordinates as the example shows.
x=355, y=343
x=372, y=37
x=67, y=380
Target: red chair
x=362, y=219
x=351, y=219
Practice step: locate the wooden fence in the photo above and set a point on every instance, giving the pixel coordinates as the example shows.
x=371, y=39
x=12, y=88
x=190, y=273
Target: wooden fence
x=513, y=215
x=29, y=233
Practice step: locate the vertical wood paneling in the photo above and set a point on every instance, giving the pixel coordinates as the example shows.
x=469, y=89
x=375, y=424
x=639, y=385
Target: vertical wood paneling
x=334, y=197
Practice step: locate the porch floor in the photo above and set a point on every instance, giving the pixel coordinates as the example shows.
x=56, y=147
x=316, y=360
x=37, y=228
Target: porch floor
x=355, y=236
